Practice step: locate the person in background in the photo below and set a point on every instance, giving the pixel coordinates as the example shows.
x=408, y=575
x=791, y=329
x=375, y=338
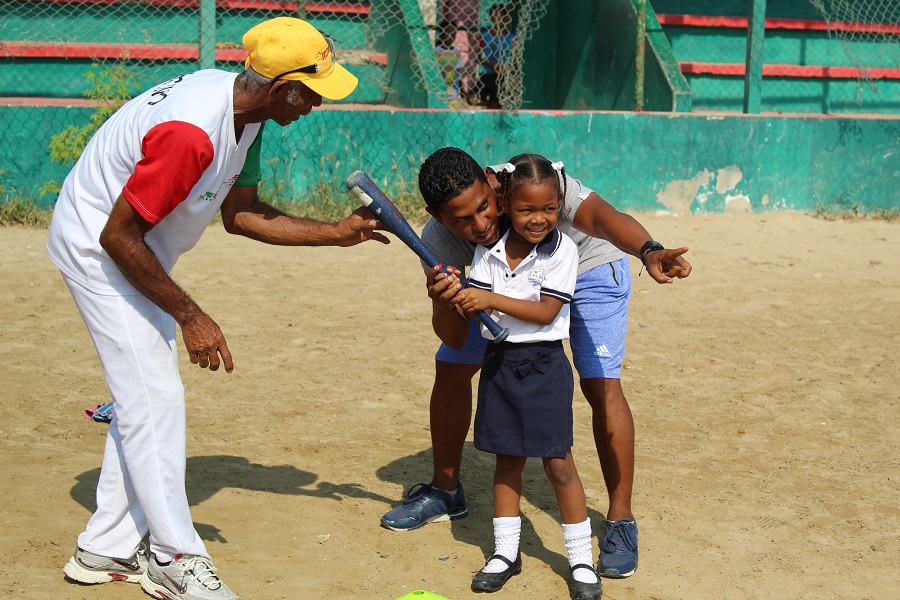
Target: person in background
x=498, y=41
x=448, y=57
x=464, y=15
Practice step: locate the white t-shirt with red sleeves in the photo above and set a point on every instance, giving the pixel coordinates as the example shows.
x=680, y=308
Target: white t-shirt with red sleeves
x=172, y=153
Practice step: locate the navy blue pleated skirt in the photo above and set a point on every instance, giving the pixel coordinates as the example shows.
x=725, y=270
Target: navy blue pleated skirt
x=525, y=400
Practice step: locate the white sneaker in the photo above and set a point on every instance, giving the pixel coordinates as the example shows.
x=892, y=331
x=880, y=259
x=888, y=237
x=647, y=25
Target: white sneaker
x=87, y=567
x=185, y=578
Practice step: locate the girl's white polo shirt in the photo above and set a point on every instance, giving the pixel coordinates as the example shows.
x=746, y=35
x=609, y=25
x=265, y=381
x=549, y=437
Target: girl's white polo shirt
x=550, y=269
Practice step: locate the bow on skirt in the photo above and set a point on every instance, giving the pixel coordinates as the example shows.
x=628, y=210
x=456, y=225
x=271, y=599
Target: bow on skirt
x=539, y=362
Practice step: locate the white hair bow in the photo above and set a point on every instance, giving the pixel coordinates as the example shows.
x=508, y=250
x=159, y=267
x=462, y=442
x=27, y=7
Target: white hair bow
x=557, y=166
x=504, y=168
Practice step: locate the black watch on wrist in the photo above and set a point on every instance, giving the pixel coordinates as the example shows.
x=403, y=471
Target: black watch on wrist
x=649, y=246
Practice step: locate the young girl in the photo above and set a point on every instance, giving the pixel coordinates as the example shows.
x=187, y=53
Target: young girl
x=448, y=57
x=525, y=393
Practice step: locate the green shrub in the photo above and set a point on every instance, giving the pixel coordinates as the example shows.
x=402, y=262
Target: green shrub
x=110, y=87
x=14, y=211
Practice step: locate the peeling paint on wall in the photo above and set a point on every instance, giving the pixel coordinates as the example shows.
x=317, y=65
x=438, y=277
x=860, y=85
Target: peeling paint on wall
x=727, y=178
x=737, y=204
x=678, y=195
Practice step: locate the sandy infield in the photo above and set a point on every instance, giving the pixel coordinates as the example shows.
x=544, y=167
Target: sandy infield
x=763, y=388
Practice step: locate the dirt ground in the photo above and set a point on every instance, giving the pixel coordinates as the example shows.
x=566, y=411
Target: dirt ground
x=763, y=388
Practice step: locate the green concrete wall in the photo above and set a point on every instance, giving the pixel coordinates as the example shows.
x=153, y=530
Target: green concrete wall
x=792, y=95
x=781, y=94
x=681, y=163
x=583, y=58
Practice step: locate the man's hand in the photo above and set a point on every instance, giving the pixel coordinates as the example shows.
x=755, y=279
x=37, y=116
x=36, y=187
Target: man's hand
x=205, y=342
x=663, y=265
x=359, y=227
x=443, y=288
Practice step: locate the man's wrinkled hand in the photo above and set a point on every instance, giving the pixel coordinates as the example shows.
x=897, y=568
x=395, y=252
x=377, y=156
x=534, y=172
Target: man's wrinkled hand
x=360, y=226
x=205, y=343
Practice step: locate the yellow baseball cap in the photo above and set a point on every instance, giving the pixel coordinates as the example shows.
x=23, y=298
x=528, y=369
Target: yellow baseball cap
x=289, y=48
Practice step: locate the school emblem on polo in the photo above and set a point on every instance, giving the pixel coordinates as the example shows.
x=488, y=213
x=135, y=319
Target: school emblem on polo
x=536, y=276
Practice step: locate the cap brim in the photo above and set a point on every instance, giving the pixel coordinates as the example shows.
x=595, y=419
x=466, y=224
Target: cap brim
x=337, y=86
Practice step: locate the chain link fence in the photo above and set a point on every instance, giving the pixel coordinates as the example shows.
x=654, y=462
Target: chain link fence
x=60, y=52
x=869, y=32
x=160, y=39
x=819, y=56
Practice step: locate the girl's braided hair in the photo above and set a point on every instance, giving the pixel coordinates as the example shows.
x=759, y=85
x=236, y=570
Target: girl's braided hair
x=529, y=169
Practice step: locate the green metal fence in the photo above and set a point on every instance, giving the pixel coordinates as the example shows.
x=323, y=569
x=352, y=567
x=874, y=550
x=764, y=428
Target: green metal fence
x=787, y=56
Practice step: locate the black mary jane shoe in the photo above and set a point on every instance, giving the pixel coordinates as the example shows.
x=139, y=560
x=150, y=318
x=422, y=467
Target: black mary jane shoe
x=492, y=582
x=579, y=590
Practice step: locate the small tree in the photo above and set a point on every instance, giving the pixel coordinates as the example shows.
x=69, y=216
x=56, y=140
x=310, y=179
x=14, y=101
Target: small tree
x=110, y=87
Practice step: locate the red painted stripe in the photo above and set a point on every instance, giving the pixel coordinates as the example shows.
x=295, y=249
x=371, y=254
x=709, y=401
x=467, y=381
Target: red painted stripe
x=131, y=51
x=139, y=52
x=274, y=5
x=779, y=70
x=42, y=101
x=793, y=24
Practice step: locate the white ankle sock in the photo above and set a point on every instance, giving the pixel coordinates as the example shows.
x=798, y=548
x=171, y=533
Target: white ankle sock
x=578, y=547
x=506, y=542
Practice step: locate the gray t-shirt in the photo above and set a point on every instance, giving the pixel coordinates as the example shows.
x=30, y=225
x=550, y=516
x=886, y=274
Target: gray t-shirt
x=592, y=252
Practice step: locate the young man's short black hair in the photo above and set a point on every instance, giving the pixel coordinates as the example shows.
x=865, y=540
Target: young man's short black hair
x=446, y=174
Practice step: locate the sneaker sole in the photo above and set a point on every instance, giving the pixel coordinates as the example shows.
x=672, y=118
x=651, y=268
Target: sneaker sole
x=76, y=572
x=156, y=590
x=616, y=574
x=435, y=519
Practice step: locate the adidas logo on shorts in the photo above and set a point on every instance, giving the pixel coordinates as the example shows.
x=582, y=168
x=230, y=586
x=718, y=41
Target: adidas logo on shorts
x=602, y=350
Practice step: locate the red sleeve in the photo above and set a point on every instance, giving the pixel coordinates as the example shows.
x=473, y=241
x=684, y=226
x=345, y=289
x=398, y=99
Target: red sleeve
x=175, y=155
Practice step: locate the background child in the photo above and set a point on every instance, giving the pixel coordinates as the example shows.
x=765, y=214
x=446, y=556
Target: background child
x=497, y=43
x=448, y=57
x=525, y=392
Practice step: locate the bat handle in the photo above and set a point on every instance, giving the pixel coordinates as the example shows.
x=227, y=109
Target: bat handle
x=499, y=333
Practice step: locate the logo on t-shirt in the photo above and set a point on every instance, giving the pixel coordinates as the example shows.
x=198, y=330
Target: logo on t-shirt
x=208, y=196
x=164, y=87
x=536, y=276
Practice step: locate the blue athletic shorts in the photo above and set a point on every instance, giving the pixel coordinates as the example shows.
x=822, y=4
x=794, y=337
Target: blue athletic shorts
x=599, y=321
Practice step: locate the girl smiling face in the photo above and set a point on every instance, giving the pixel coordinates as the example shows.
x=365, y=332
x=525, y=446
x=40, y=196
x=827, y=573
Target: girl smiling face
x=533, y=209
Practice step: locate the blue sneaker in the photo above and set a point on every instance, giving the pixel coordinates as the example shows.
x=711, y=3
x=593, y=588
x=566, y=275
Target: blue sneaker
x=426, y=504
x=619, y=551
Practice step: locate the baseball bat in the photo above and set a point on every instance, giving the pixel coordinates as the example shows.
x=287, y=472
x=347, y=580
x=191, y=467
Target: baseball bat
x=385, y=211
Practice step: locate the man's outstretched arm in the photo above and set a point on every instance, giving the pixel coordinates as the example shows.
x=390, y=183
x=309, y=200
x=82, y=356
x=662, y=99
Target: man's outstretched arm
x=598, y=218
x=243, y=213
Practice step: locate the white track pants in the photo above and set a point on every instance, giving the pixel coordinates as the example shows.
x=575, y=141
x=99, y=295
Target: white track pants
x=141, y=485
